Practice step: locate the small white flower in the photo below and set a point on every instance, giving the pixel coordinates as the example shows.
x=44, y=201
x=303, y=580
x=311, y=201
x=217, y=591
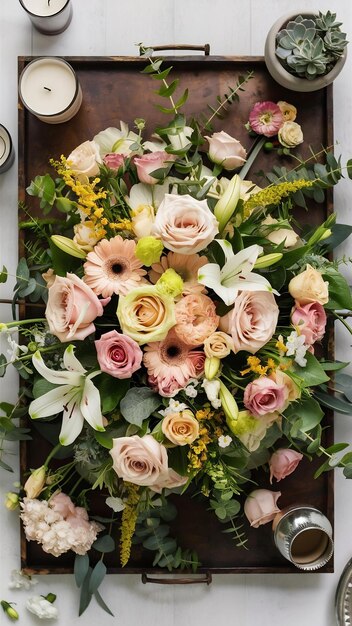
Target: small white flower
x=174, y=407
x=212, y=389
x=296, y=348
x=41, y=607
x=216, y=404
x=224, y=441
x=20, y=580
x=116, y=504
x=191, y=390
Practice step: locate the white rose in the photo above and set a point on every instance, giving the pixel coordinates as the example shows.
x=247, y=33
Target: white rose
x=290, y=135
x=84, y=159
x=226, y=151
x=279, y=235
x=139, y=460
x=184, y=224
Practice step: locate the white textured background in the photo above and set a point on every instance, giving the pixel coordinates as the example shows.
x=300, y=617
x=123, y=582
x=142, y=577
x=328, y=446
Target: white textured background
x=113, y=27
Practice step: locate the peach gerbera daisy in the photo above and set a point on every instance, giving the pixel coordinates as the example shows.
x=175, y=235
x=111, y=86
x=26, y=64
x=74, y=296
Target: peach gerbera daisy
x=186, y=266
x=112, y=267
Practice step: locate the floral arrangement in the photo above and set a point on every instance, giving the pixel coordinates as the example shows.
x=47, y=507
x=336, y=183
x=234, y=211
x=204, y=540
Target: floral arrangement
x=181, y=343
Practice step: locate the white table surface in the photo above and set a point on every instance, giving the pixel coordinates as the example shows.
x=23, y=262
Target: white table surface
x=113, y=27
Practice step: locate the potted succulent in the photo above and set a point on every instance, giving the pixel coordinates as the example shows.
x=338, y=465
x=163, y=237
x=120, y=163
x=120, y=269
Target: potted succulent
x=305, y=52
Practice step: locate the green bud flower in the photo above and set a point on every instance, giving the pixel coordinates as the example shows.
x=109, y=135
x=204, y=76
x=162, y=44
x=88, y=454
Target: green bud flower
x=9, y=610
x=211, y=367
x=148, y=250
x=12, y=501
x=226, y=206
x=67, y=245
x=268, y=259
x=50, y=597
x=170, y=283
x=229, y=406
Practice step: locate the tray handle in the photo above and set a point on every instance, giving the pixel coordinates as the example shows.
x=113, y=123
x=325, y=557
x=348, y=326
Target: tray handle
x=183, y=46
x=207, y=578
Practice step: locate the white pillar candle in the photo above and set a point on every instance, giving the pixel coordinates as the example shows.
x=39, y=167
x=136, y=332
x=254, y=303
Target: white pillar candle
x=50, y=17
x=7, y=153
x=49, y=88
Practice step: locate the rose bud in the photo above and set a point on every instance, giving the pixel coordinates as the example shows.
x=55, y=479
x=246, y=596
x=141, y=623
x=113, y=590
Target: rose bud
x=35, y=483
x=260, y=506
x=283, y=462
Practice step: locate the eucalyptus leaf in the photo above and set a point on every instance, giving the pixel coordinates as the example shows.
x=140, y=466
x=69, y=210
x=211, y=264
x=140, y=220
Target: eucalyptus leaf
x=104, y=544
x=97, y=576
x=80, y=568
x=138, y=404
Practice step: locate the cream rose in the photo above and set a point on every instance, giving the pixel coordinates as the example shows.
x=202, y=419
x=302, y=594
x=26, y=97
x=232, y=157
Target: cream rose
x=142, y=220
x=72, y=308
x=309, y=286
x=279, y=235
x=252, y=321
x=85, y=235
x=84, y=159
x=218, y=344
x=139, y=460
x=145, y=314
x=226, y=151
x=290, y=135
x=180, y=428
x=184, y=224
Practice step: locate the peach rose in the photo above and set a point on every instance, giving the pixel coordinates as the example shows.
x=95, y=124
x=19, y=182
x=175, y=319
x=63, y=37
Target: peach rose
x=293, y=390
x=171, y=480
x=226, y=151
x=311, y=321
x=264, y=395
x=252, y=321
x=180, y=428
x=309, y=286
x=72, y=308
x=196, y=319
x=288, y=110
x=118, y=355
x=148, y=163
x=218, y=344
x=260, y=506
x=84, y=159
x=184, y=224
x=283, y=462
x=145, y=314
x=139, y=460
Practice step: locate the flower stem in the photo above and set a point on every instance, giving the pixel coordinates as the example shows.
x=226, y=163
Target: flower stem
x=52, y=453
x=21, y=323
x=256, y=148
x=342, y=321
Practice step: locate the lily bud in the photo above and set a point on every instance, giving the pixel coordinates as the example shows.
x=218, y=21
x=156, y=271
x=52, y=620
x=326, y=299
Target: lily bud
x=226, y=206
x=268, y=259
x=229, y=406
x=9, y=610
x=68, y=246
x=12, y=501
x=325, y=235
x=35, y=482
x=211, y=367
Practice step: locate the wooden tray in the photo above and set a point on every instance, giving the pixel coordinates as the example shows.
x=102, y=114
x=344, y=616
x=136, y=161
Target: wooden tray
x=113, y=90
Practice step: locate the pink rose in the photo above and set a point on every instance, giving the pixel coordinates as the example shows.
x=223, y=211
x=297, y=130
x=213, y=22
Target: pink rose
x=118, y=355
x=252, y=321
x=171, y=480
x=72, y=307
x=226, y=151
x=139, y=460
x=260, y=506
x=264, y=395
x=184, y=224
x=283, y=462
x=197, y=359
x=114, y=161
x=311, y=320
x=166, y=386
x=62, y=504
x=151, y=162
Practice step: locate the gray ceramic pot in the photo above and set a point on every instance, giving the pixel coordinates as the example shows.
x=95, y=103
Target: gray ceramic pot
x=279, y=73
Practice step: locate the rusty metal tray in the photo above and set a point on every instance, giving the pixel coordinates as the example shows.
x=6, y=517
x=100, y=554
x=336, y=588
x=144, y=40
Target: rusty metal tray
x=113, y=90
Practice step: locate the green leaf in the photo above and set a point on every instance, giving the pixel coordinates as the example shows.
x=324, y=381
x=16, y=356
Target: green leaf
x=86, y=595
x=22, y=271
x=80, y=568
x=5, y=466
x=42, y=386
x=349, y=168
x=220, y=512
x=307, y=410
x=62, y=262
x=104, y=544
x=102, y=604
x=3, y=361
x=313, y=373
x=332, y=402
x=111, y=391
x=138, y=404
x=347, y=471
x=65, y=205
x=3, y=275
x=323, y=468
x=339, y=290
x=167, y=90
x=97, y=576
x=178, y=459
x=330, y=366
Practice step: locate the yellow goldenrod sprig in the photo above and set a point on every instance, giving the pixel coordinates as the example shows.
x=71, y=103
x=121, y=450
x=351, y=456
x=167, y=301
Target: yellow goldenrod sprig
x=273, y=194
x=128, y=522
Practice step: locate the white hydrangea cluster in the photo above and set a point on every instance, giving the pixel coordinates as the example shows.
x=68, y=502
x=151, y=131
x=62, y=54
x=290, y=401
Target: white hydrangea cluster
x=57, y=535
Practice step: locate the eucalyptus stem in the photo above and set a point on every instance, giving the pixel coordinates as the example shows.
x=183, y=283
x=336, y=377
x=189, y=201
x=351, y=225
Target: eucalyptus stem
x=341, y=319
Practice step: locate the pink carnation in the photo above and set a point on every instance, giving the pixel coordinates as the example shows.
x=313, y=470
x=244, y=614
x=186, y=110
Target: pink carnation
x=266, y=118
x=118, y=355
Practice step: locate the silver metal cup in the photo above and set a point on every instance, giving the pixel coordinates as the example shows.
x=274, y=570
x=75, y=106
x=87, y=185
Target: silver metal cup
x=303, y=535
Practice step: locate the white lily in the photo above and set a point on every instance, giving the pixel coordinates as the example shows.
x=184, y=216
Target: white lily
x=76, y=396
x=115, y=140
x=236, y=275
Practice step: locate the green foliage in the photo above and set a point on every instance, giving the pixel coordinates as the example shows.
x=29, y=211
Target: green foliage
x=138, y=404
x=88, y=580
x=9, y=430
x=43, y=187
x=226, y=509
